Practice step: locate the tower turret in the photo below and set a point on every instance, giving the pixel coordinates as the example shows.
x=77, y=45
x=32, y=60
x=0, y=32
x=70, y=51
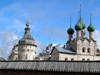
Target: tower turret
x=91, y=28
x=70, y=31
x=26, y=46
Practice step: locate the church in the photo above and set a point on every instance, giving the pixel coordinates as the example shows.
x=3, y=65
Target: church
x=80, y=48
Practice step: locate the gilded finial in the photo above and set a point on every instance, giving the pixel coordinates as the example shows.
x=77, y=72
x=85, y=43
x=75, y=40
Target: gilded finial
x=80, y=11
x=90, y=18
x=78, y=15
x=70, y=22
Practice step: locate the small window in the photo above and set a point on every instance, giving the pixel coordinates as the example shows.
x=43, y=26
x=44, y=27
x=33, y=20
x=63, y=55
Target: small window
x=88, y=50
x=83, y=59
x=66, y=59
x=88, y=59
x=26, y=56
x=72, y=59
x=83, y=50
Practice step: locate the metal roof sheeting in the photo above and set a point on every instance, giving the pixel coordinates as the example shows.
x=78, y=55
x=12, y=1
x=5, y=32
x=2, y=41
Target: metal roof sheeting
x=65, y=50
x=61, y=66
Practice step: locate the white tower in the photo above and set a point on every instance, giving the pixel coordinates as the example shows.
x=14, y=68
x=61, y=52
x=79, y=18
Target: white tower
x=26, y=46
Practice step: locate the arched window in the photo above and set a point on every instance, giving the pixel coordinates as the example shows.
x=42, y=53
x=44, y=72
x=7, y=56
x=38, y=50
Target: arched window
x=88, y=59
x=66, y=59
x=26, y=56
x=83, y=50
x=88, y=50
x=83, y=59
x=72, y=59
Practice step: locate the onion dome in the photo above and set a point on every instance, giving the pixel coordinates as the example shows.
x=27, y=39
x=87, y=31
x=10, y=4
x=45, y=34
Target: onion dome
x=84, y=32
x=91, y=28
x=70, y=30
x=78, y=26
x=83, y=25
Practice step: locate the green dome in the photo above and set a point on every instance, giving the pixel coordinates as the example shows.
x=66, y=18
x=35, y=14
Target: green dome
x=78, y=26
x=83, y=25
x=70, y=31
x=91, y=28
x=84, y=32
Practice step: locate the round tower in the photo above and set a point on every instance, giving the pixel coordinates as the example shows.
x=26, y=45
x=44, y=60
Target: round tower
x=26, y=46
x=70, y=31
x=91, y=29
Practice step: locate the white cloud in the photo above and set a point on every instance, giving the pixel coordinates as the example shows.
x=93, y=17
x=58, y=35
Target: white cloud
x=8, y=39
x=40, y=47
x=55, y=31
x=97, y=37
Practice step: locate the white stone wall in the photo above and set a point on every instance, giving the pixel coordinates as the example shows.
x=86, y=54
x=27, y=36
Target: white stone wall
x=78, y=57
x=55, y=55
x=43, y=57
x=72, y=45
x=13, y=57
x=26, y=52
x=78, y=45
x=86, y=44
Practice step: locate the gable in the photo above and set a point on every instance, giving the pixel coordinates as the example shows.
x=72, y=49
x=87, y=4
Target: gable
x=54, y=51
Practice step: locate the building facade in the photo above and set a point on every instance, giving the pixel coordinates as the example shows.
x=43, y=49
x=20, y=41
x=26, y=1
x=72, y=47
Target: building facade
x=79, y=48
x=45, y=55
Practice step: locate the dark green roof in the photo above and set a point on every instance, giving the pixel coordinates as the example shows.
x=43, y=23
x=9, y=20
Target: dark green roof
x=83, y=24
x=91, y=28
x=78, y=26
x=70, y=31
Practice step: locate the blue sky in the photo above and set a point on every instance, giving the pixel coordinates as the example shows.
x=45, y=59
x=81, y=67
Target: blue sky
x=47, y=18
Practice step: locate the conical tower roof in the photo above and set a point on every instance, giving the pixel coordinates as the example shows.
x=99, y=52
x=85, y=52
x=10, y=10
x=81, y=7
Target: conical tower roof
x=27, y=39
